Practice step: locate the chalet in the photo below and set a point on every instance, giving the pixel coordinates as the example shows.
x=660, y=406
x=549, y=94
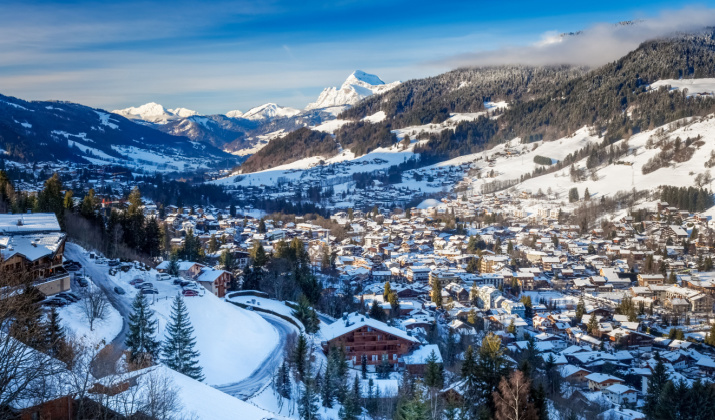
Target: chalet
x=645, y=280
x=31, y=249
x=364, y=336
x=621, y=394
x=600, y=381
x=215, y=281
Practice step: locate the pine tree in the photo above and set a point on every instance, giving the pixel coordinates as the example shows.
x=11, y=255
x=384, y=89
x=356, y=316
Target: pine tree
x=656, y=384
x=376, y=311
x=436, y=292
x=282, y=381
x=386, y=292
x=592, y=325
x=152, y=238
x=306, y=315
x=141, y=343
x=580, y=308
x=433, y=372
x=300, y=354
x=363, y=366
x=55, y=333
x=308, y=401
x=173, y=269
x=178, y=352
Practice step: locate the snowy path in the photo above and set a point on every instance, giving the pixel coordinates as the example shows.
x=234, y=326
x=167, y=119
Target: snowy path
x=262, y=376
x=113, y=351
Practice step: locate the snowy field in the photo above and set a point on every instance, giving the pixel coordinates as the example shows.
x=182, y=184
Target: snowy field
x=268, y=304
x=75, y=323
x=694, y=86
x=224, y=332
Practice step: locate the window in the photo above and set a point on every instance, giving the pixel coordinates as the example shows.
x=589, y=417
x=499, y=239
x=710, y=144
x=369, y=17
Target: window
x=379, y=337
x=374, y=358
x=347, y=348
x=394, y=357
x=354, y=359
x=385, y=357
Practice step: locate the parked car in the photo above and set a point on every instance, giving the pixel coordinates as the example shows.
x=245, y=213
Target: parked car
x=55, y=301
x=146, y=286
x=113, y=263
x=68, y=296
x=189, y=292
x=148, y=291
x=177, y=281
x=83, y=282
x=136, y=281
x=163, y=276
x=118, y=290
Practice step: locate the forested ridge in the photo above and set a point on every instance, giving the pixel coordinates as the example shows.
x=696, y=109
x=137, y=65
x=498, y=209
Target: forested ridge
x=545, y=103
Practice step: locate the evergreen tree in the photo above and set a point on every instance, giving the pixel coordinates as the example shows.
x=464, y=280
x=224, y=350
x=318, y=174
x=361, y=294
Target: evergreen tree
x=55, y=333
x=300, y=356
x=592, y=325
x=363, y=366
x=152, y=238
x=173, y=269
x=306, y=315
x=141, y=343
x=386, y=292
x=282, y=381
x=258, y=255
x=213, y=244
x=376, y=311
x=178, y=352
x=433, y=372
x=656, y=384
x=580, y=308
x=436, y=292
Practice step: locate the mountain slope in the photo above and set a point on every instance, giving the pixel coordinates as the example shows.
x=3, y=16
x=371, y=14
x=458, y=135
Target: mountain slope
x=63, y=131
x=544, y=102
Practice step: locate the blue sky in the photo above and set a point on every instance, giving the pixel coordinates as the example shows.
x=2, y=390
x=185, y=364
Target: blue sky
x=218, y=56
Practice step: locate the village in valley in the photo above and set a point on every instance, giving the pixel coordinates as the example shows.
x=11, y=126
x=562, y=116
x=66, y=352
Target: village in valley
x=597, y=310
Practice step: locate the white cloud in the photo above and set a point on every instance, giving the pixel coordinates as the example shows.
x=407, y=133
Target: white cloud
x=597, y=45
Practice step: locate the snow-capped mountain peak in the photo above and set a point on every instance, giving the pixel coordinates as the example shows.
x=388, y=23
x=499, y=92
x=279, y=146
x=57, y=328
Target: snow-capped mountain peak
x=270, y=111
x=154, y=112
x=358, y=86
x=234, y=114
x=361, y=78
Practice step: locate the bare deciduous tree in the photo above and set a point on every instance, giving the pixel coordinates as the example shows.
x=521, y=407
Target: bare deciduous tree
x=94, y=306
x=512, y=399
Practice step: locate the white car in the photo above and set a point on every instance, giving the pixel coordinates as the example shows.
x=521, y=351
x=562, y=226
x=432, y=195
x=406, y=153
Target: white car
x=163, y=276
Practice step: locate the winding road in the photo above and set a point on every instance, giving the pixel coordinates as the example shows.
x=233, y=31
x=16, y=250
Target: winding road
x=262, y=376
x=104, y=364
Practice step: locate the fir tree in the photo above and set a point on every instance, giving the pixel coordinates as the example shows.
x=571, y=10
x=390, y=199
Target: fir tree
x=433, y=372
x=363, y=366
x=141, y=343
x=300, y=355
x=55, y=333
x=376, y=311
x=656, y=384
x=436, y=292
x=178, y=352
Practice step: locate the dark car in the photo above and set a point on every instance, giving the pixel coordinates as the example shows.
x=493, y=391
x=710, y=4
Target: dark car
x=82, y=282
x=55, y=301
x=113, y=263
x=189, y=292
x=118, y=290
x=68, y=296
x=150, y=291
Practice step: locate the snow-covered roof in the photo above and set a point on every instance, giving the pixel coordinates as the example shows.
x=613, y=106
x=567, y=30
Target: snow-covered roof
x=28, y=223
x=419, y=356
x=355, y=321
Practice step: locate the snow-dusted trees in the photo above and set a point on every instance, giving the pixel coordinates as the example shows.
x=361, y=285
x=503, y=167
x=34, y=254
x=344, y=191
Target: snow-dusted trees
x=178, y=351
x=141, y=342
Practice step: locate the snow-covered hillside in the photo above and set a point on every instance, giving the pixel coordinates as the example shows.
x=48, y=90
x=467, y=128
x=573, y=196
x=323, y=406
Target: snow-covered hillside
x=358, y=86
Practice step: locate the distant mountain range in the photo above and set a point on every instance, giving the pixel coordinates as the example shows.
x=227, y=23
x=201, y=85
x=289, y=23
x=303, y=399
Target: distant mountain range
x=32, y=131
x=244, y=133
